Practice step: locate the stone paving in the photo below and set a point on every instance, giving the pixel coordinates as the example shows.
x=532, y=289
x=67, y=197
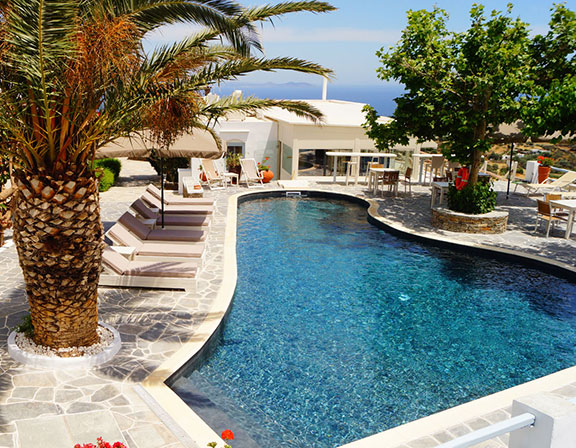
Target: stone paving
x=60, y=408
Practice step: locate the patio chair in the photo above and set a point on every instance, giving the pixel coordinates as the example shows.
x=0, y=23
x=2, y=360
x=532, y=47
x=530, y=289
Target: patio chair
x=546, y=213
x=214, y=179
x=155, y=191
x=121, y=236
x=435, y=167
x=181, y=209
x=555, y=185
x=119, y=271
x=144, y=233
x=390, y=178
x=250, y=173
x=407, y=181
x=170, y=220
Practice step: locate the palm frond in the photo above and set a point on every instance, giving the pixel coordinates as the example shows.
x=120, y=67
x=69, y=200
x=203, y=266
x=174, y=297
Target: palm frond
x=232, y=70
x=252, y=104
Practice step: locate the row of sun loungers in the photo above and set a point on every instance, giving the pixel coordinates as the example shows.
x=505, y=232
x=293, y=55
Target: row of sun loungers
x=146, y=255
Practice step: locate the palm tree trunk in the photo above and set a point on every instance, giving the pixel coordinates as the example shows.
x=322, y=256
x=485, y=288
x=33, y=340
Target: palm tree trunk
x=58, y=234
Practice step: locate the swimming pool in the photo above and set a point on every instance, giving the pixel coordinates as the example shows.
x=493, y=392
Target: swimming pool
x=340, y=330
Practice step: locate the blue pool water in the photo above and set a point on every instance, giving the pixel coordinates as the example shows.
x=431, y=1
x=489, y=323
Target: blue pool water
x=340, y=330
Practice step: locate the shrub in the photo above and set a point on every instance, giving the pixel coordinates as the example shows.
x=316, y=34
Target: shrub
x=113, y=165
x=472, y=199
x=171, y=166
x=106, y=179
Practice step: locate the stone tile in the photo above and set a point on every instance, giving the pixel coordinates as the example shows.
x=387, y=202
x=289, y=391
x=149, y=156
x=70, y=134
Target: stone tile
x=45, y=394
x=32, y=433
x=443, y=436
x=24, y=392
x=87, y=427
x=424, y=442
x=105, y=393
x=46, y=379
x=79, y=407
x=478, y=423
x=151, y=436
x=65, y=396
x=459, y=430
x=21, y=411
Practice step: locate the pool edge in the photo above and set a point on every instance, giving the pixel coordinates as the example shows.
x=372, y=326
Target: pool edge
x=199, y=431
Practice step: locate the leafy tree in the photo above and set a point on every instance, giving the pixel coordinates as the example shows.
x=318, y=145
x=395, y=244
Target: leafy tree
x=73, y=77
x=553, y=104
x=460, y=86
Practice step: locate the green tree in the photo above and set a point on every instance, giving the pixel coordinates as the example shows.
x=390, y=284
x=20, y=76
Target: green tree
x=460, y=86
x=552, y=107
x=73, y=77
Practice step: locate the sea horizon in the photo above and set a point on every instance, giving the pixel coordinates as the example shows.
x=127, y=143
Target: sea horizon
x=380, y=97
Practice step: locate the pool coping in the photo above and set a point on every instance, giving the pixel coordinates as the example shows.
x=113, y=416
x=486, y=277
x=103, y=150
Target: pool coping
x=199, y=431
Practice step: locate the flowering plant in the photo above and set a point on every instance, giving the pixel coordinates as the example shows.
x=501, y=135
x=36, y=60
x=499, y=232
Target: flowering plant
x=263, y=167
x=545, y=161
x=101, y=444
x=226, y=435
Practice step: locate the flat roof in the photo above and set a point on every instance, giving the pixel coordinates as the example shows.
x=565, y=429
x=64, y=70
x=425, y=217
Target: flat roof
x=336, y=113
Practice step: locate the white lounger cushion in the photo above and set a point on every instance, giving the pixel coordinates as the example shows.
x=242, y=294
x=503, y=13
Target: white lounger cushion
x=122, y=266
x=144, y=233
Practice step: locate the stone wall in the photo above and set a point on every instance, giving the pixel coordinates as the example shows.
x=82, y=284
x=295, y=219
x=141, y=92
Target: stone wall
x=493, y=222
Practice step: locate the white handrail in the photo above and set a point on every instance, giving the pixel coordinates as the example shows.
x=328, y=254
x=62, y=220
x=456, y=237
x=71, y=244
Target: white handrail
x=495, y=430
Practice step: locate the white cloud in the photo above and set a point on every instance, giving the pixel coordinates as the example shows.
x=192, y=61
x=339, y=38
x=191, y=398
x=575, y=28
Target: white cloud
x=330, y=35
x=176, y=32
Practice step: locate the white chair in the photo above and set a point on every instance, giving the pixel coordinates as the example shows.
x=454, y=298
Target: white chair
x=435, y=167
x=351, y=167
x=250, y=173
x=214, y=179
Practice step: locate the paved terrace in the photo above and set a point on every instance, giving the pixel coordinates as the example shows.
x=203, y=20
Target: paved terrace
x=60, y=408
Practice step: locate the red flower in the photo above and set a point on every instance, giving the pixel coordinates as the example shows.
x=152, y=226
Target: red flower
x=227, y=435
x=118, y=445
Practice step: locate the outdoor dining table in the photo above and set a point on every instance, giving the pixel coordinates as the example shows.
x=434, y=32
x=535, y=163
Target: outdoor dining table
x=373, y=173
x=387, y=155
x=570, y=205
x=421, y=156
x=439, y=189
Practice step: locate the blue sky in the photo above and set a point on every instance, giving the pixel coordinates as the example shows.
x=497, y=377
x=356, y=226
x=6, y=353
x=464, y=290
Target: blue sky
x=346, y=40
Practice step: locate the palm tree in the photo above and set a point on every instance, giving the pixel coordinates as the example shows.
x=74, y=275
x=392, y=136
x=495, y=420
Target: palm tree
x=73, y=77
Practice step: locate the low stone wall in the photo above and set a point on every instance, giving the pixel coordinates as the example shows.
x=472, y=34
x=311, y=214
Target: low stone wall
x=493, y=222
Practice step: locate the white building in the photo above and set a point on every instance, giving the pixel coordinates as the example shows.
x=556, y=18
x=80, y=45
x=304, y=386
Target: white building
x=288, y=140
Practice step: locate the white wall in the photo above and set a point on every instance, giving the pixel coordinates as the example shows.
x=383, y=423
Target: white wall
x=260, y=138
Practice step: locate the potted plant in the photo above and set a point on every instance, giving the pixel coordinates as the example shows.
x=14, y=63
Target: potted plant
x=544, y=167
x=233, y=164
x=264, y=168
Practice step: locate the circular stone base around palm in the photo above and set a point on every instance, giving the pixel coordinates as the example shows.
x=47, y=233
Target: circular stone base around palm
x=56, y=362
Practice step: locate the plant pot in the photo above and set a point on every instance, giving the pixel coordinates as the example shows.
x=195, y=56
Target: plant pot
x=543, y=173
x=267, y=176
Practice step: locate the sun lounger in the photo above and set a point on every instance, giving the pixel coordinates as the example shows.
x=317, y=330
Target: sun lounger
x=119, y=271
x=214, y=179
x=555, y=185
x=156, y=251
x=250, y=173
x=155, y=191
x=170, y=220
x=183, y=209
x=138, y=228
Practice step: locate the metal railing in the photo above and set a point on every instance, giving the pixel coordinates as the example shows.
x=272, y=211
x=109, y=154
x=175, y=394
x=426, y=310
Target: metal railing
x=495, y=430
